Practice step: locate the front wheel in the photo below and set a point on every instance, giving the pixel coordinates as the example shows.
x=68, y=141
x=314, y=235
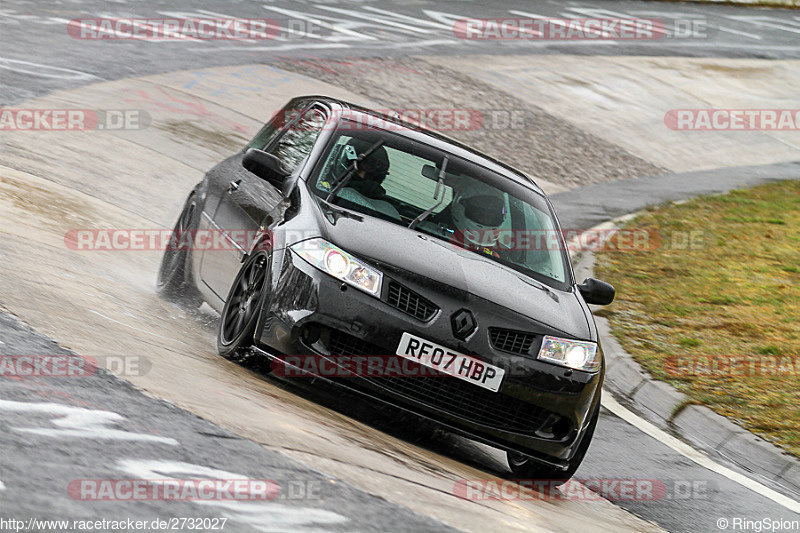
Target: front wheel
x=242, y=307
x=523, y=467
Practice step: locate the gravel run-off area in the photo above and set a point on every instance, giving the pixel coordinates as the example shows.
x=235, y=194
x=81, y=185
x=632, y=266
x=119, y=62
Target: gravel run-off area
x=524, y=136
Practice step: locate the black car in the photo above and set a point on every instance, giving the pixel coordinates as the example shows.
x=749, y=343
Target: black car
x=369, y=236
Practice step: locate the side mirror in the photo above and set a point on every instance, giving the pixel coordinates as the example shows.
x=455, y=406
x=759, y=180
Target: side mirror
x=596, y=292
x=264, y=165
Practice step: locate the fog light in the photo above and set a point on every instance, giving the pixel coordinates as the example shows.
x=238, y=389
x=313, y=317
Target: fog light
x=310, y=334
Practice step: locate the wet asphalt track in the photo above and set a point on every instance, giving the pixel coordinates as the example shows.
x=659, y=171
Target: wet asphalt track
x=39, y=56
x=29, y=67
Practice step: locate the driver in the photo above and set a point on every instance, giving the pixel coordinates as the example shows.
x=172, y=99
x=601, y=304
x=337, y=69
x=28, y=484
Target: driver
x=365, y=187
x=372, y=171
x=477, y=213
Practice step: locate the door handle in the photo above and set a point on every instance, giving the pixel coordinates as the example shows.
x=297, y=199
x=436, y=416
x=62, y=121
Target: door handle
x=234, y=185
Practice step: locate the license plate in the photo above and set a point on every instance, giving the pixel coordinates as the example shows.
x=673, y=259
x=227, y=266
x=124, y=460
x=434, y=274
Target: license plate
x=447, y=361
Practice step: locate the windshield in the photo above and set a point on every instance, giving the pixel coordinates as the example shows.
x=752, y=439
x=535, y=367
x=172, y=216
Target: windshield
x=436, y=193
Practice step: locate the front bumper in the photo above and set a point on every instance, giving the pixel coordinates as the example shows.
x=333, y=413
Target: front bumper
x=540, y=409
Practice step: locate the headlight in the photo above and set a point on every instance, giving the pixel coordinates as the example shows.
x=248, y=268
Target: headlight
x=339, y=264
x=580, y=355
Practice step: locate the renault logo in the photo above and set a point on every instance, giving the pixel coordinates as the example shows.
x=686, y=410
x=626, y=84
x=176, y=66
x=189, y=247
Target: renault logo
x=463, y=323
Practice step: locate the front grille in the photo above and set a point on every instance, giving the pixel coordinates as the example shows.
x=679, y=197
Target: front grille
x=473, y=403
x=449, y=394
x=410, y=302
x=511, y=341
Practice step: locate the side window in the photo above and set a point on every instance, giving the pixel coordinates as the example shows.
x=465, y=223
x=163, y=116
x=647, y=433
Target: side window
x=270, y=130
x=295, y=143
x=543, y=256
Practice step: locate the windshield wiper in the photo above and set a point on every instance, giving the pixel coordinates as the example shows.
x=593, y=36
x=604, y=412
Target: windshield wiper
x=466, y=253
x=439, y=184
x=538, y=284
x=342, y=180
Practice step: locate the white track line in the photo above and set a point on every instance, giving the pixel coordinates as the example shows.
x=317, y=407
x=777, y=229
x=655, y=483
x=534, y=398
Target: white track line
x=44, y=71
x=694, y=455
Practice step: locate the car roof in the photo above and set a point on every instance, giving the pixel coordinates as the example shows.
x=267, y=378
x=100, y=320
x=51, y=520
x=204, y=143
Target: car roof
x=429, y=137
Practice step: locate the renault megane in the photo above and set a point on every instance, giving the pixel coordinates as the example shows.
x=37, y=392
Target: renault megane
x=371, y=236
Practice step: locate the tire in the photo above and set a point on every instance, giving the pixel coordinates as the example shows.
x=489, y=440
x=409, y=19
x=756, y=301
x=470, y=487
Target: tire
x=173, y=283
x=242, y=308
x=523, y=467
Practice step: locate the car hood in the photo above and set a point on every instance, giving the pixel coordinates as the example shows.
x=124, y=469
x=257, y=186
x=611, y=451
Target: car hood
x=384, y=242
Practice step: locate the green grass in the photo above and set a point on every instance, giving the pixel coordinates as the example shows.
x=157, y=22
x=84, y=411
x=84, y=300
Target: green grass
x=734, y=294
